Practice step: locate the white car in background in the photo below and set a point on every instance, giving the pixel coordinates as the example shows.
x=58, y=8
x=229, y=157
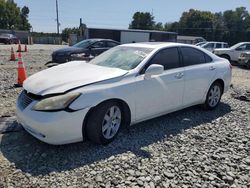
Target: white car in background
x=233, y=53
x=123, y=86
x=200, y=43
x=210, y=46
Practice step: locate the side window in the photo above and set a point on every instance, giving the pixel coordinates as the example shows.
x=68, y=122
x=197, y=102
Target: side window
x=218, y=45
x=169, y=58
x=209, y=45
x=241, y=47
x=192, y=56
x=226, y=45
x=111, y=44
x=98, y=45
x=248, y=47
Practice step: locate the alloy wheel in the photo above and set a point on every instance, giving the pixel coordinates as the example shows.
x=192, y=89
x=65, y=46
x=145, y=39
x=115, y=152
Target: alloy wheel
x=214, y=96
x=111, y=122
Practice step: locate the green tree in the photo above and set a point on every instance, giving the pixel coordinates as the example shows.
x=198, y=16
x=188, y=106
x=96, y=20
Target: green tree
x=142, y=20
x=237, y=23
x=158, y=26
x=11, y=17
x=74, y=30
x=197, y=23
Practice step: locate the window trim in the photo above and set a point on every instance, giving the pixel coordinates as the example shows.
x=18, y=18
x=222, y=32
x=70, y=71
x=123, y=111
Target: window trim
x=142, y=70
x=107, y=41
x=91, y=46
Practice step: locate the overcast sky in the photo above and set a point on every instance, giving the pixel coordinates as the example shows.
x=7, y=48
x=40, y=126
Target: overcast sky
x=115, y=13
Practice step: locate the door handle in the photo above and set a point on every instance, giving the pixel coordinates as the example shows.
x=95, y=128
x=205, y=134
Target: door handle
x=212, y=68
x=179, y=75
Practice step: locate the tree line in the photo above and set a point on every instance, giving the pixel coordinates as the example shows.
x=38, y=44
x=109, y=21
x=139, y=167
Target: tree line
x=231, y=26
x=13, y=17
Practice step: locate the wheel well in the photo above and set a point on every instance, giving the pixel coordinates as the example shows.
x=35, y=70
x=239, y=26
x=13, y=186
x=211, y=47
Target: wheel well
x=125, y=109
x=221, y=82
x=226, y=55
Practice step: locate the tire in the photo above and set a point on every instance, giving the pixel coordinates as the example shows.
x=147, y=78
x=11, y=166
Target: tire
x=226, y=57
x=213, y=96
x=102, y=127
x=248, y=65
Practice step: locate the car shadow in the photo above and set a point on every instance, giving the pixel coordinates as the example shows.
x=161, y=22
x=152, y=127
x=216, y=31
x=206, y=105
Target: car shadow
x=37, y=158
x=242, y=67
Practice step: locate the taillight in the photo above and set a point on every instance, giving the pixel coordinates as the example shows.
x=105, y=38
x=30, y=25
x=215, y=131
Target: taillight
x=230, y=66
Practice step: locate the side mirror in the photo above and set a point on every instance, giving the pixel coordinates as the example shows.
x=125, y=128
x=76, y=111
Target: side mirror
x=153, y=69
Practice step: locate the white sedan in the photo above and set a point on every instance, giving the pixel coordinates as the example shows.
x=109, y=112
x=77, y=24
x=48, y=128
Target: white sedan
x=123, y=86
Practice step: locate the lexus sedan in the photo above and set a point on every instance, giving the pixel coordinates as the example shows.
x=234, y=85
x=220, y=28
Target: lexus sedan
x=84, y=50
x=8, y=39
x=125, y=85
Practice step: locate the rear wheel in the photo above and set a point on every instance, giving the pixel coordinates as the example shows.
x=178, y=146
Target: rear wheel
x=213, y=96
x=104, y=123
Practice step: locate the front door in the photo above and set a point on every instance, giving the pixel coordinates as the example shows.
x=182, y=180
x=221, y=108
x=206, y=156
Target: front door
x=162, y=93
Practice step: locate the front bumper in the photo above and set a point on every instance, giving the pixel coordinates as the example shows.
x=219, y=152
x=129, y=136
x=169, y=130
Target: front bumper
x=59, y=59
x=55, y=128
x=243, y=61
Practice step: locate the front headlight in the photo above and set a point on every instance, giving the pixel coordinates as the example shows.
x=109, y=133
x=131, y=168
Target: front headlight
x=55, y=103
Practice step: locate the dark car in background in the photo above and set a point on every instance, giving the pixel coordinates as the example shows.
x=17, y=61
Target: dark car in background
x=84, y=50
x=8, y=39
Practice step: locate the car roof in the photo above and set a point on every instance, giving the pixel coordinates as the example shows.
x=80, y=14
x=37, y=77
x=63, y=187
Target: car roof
x=216, y=42
x=155, y=45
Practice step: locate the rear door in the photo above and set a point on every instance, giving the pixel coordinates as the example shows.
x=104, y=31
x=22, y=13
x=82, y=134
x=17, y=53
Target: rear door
x=199, y=71
x=161, y=93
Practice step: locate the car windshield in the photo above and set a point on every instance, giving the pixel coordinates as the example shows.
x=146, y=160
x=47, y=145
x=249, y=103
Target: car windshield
x=122, y=57
x=200, y=43
x=84, y=43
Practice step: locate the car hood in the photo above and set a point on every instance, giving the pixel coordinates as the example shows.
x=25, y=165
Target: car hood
x=69, y=50
x=62, y=78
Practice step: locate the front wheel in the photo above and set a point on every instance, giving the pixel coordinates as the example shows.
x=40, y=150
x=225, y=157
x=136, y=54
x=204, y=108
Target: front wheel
x=104, y=123
x=213, y=96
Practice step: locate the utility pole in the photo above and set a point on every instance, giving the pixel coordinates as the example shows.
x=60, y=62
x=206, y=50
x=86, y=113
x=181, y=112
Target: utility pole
x=57, y=19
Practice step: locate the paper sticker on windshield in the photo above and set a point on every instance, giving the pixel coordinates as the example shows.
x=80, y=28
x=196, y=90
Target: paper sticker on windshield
x=140, y=53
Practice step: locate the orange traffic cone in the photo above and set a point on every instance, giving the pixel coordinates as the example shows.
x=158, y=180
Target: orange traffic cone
x=21, y=72
x=19, y=47
x=12, y=56
x=25, y=48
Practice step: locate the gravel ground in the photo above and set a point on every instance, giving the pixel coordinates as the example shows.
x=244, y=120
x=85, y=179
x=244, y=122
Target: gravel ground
x=189, y=148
